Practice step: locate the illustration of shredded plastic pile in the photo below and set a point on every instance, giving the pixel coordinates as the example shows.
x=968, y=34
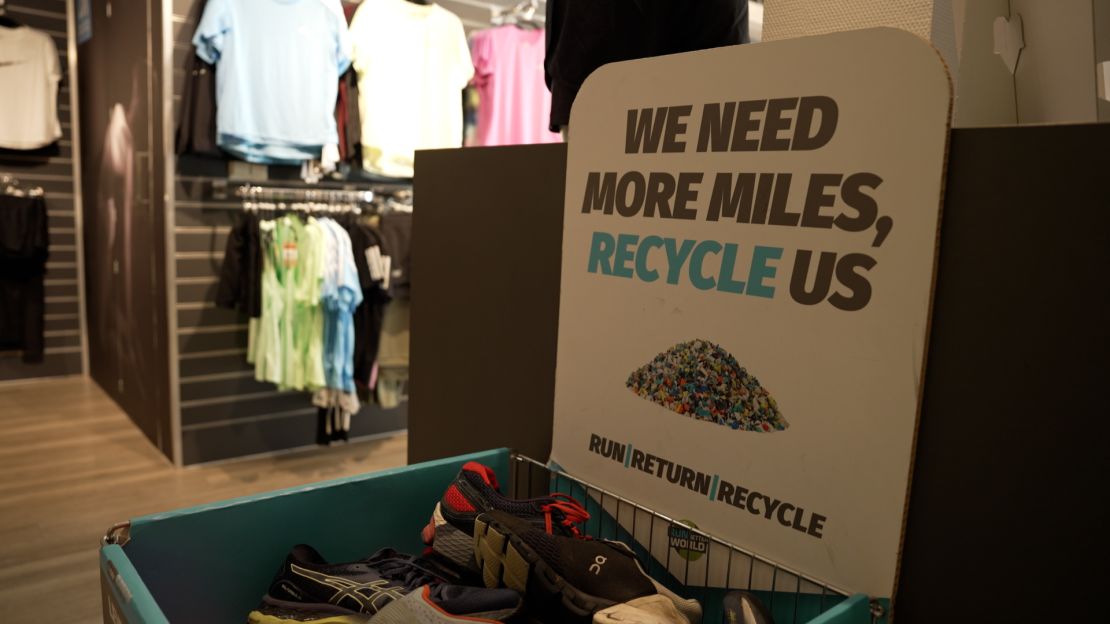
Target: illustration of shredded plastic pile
x=701, y=380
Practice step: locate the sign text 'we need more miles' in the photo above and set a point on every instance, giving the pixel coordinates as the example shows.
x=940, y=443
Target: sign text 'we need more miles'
x=748, y=254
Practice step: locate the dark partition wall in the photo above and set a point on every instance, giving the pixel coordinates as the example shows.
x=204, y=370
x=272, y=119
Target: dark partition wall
x=123, y=215
x=1008, y=503
x=54, y=170
x=1008, y=509
x=487, y=244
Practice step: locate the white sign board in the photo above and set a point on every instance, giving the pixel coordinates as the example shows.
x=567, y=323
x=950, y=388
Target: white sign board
x=748, y=255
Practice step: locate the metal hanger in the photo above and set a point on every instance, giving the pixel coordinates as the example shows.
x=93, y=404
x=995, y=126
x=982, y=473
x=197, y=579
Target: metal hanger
x=9, y=185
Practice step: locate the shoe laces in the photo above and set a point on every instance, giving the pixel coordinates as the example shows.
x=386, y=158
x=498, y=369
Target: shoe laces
x=571, y=511
x=409, y=571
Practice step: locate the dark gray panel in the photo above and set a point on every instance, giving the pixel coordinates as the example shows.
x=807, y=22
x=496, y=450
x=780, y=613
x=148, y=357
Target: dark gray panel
x=66, y=272
x=35, y=166
x=373, y=419
x=191, y=293
x=60, y=205
x=1015, y=392
x=53, y=365
x=62, y=324
x=245, y=407
x=62, y=307
x=67, y=288
x=63, y=255
x=217, y=215
x=60, y=219
x=209, y=316
x=480, y=191
x=213, y=239
x=222, y=387
x=211, y=444
x=63, y=238
x=191, y=367
x=200, y=267
x=215, y=341
x=71, y=339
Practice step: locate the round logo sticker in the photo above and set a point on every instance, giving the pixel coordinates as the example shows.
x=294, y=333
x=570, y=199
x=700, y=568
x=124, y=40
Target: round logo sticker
x=689, y=545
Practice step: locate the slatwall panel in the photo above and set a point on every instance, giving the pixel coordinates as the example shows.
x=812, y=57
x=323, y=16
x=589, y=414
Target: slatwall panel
x=56, y=175
x=225, y=413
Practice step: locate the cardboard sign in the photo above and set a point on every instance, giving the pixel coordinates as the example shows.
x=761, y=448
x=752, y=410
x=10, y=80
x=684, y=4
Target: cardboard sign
x=748, y=257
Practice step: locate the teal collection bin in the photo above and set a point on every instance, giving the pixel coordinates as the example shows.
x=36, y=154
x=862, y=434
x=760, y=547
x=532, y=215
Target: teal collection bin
x=212, y=563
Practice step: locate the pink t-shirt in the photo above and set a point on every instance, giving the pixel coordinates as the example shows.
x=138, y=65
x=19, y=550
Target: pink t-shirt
x=513, y=101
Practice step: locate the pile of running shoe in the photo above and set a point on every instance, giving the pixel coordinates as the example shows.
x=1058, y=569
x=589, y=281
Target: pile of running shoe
x=490, y=558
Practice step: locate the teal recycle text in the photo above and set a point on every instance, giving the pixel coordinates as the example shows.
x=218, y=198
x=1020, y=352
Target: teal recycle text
x=725, y=267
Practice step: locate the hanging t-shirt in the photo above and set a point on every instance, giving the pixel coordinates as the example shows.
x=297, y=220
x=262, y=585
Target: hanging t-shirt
x=413, y=62
x=278, y=64
x=24, y=247
x=29, y=75
x=341, y=295
x=513, y=101
x=286, y=341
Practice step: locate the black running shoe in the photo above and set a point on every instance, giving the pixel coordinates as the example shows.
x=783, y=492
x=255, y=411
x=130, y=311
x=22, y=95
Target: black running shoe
x=564, y=579
x=385, y=588
x=741, y=607
x=450, y=532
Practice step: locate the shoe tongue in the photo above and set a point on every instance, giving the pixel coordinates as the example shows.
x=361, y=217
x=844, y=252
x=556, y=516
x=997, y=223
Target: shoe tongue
x=620, y=547
x=406, y=569
x=485, y=472
x=384, y=554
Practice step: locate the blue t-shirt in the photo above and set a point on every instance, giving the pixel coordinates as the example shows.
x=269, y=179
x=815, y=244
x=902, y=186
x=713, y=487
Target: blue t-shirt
x=278, y=64
x=341, y=293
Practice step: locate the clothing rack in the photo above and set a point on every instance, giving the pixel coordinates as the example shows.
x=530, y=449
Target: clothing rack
x=327, y=200
x=271, y=193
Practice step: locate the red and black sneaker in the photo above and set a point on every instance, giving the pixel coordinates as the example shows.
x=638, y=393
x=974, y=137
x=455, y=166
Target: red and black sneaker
x=566, y=580
x=450, y=532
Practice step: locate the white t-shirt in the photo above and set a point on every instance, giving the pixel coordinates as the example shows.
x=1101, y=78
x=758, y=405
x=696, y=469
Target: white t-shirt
x=413, y=63
x=29, y=75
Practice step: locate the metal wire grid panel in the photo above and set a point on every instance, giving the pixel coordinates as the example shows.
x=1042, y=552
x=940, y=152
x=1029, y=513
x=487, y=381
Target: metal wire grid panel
x=705, y=566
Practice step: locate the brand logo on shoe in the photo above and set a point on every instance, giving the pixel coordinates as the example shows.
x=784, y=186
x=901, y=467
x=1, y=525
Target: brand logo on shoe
x=365, y=597
x=288, y=588
x=599, y=561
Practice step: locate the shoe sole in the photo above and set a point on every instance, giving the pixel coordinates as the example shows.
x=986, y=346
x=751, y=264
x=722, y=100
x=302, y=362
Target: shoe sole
x=449, y=541
x=258, y=617
x=508, y=561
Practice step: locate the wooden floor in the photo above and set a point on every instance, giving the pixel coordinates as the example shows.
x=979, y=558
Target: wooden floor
x=72, y=464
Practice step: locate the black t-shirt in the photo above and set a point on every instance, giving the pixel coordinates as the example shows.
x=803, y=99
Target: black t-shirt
x=369, y=315
x=240, y=281
x=24, y=247
x=583, y=35
x=396, y=234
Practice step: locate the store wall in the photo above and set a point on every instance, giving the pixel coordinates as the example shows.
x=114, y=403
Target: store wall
x=123, y=215
x=56, y=172
x=224, y=412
